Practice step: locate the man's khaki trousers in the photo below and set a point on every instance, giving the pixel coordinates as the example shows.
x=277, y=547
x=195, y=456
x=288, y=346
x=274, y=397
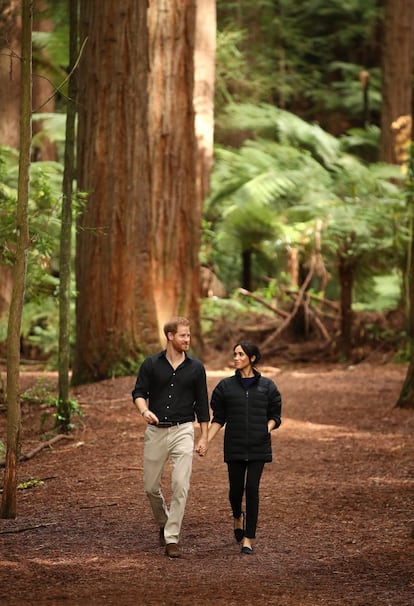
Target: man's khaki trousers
x=160, y=444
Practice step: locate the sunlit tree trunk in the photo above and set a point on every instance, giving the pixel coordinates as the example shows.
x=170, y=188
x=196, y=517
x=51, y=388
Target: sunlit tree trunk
x=397, y=70
x=176, y=209
x=9, y=498
x=204, y=67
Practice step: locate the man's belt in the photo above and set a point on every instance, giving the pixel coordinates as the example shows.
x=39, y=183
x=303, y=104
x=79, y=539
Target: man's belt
x=166, y=424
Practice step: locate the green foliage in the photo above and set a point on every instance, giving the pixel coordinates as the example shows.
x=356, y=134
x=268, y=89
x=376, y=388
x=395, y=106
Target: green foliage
x=288, y=51
x=71, y=409
x=53, y=127
x=50, y=48
x=230, y=309
x=33, y=483
x=43, y=393
x=41, y=307
x=300, y=189
x=384, y=294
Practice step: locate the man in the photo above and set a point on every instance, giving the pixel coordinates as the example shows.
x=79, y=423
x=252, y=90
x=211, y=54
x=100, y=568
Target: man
x=170, y=392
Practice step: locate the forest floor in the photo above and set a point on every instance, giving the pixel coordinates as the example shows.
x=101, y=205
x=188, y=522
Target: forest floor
x=336, y=513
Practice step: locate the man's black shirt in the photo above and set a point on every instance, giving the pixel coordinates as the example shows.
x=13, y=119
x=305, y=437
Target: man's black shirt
x=176, y=396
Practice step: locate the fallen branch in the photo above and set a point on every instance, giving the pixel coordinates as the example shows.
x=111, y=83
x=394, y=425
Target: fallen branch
x=100, y=505
x=278, y=312
x=24, y=528
x=319, y=298
x=34, y=452
x=300, y=295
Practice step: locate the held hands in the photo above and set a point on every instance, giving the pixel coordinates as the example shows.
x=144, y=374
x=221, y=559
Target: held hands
x=202, y=447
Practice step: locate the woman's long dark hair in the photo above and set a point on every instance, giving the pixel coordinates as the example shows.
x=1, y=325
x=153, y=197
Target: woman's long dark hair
x=251, y=350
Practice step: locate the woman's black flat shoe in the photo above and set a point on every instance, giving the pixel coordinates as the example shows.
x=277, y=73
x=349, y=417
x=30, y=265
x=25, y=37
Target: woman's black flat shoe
x=247, y=550
x=239, y=532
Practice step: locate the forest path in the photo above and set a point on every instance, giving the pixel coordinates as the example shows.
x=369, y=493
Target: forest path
x=334, y=524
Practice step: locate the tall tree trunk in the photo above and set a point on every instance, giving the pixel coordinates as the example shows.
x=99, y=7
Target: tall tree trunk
x=9, y=497
x=139, y=235
x=10, y=35
x=64, y=414
x=204, y=68
x=397, y=70
x=115, y=307
x=176, y=211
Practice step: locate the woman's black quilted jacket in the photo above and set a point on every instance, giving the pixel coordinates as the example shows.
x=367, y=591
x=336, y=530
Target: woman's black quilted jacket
x=245, y=413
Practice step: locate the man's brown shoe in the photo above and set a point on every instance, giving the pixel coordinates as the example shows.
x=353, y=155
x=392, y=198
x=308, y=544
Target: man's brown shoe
x=162, y=538
x=172, y=550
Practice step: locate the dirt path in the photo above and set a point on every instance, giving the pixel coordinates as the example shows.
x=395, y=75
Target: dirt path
x=334, y=526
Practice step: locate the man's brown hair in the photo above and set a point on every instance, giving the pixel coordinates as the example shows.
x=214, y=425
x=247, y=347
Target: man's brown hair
x=173, y=324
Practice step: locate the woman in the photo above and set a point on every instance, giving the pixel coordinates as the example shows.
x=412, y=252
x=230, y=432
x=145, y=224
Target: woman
x=249, y=405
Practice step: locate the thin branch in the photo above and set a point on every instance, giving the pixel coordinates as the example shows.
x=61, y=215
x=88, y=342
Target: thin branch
x=62, y=84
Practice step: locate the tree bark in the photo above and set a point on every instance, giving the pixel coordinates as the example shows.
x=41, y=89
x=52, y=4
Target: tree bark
x=10, y=35
x=115, y=308
x=204, y=67
x=176, y=210
x=397, y=70
x=139, y=234
x=9, y=497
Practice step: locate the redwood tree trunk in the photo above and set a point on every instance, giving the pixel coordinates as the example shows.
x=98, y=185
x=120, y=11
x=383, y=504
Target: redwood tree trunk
x=397, y=70
x=204, y=68
x=139, y=234
x=176, y=209
x=10, y=35
x=115, y=306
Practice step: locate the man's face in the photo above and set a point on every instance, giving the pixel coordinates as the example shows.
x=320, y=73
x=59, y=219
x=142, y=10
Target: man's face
x=181, y=339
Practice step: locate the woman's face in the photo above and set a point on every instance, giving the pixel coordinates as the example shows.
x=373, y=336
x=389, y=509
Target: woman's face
x=240, y=358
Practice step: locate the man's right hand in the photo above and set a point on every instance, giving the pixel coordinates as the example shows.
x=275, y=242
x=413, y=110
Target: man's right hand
x=150, y=417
